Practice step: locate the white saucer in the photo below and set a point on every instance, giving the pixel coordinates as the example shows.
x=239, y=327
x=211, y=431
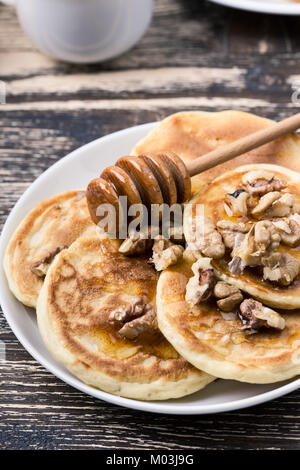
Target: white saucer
x=74, y=172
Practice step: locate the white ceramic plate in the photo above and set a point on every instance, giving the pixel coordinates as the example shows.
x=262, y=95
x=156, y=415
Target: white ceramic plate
x=74, y=172
x=276, y=7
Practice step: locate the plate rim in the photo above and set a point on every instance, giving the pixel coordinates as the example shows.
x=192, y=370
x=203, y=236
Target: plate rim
x=70, y=379
x=266, y=7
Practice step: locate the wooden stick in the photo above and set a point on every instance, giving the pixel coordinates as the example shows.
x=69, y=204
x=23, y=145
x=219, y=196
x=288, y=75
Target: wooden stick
x=250, y=142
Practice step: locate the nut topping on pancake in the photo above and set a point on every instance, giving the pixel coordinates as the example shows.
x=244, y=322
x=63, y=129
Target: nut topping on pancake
x=281, y=268
x=147, y=321
x=266, y=237
x=200, y=287
x=165, y=253
x=289, y=230
x=233, y=233
x=206, y=238
x=136, y=244
x=262, y=182
x=244, y=254
x=230, y=296
x=41, y=267
x=135, y=318
x=274, y=204
x=124, y=314
x=237, y=202
x=257, y=315
x=260, y=241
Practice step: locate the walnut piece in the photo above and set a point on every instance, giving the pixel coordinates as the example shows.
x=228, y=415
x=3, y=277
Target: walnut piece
x=266, y=237
x=206, y=238
x=274, y=204
x=237, y=202
x=123, y=314
x=256, y=315
x=281, y=268
x=165, y=253
x=244, y=254
x=40, y=268
x=137, y=243
x=262, y=182
x=289, y=230
x=134, y=319
x=233, y=233
x=146, y=322
x=262, y=239
x=230, y=296
x=200, y=287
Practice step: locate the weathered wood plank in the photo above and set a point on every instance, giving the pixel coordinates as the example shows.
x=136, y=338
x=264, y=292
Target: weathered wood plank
x=188, y=33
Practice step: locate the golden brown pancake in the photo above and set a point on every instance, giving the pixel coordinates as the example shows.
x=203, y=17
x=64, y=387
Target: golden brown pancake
x=216, y=343
x=51, y=226
x=193, y=133
x=83, y=286
x=212, y=199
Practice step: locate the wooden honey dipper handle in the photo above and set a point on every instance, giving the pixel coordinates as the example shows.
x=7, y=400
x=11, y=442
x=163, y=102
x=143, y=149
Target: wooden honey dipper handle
x=250, y=142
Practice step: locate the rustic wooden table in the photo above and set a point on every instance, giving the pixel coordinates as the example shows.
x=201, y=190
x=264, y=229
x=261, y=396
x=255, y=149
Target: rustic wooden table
x=195, y=55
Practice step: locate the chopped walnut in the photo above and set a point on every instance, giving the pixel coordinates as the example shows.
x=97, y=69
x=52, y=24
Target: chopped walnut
x=289, y=231
x=262, y=182
x=134, y=319
x=165, y=253
x=260, y=241
x=230, y=296
x=233, y=233
x=274, y=204
x=237, y=202
x=244, y=254
x=265, y=202
x=146, y=322
x=124, y=314
x=281, y=268
x=266, y=237
x=206, y=238
x=136, y=244
x=256, y=315
x=40, y=268
x=200, y=287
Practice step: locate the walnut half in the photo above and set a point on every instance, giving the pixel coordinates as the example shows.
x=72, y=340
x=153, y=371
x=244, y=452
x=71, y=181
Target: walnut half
x=205, y=238
x=262, y=182
x=200, y=287
x=274, y=204
x=229, y=296
x=281, y=268
x=237, y=202
x=134, y=319
x=256, y=315
x=165, y=253
x=136, y=243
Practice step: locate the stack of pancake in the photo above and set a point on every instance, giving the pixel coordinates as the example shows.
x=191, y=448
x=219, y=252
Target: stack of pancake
x=60, y=263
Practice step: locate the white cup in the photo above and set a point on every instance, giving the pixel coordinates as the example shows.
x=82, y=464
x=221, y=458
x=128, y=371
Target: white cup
x=84, y=31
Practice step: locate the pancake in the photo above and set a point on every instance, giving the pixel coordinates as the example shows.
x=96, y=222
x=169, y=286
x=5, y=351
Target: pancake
x=217, y=344
x=191, y=134
x=52, y=225
x=84, y=286
x=250, y=281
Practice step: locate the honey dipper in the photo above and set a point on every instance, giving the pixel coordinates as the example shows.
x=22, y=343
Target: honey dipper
x=165, y=178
